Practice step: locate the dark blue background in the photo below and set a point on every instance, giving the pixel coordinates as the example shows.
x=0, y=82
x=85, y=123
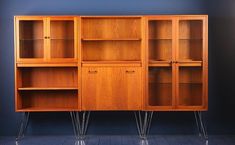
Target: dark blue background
x=220, y=117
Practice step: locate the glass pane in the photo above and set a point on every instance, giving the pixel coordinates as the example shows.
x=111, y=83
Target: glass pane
x=31, y=39
x=62, y=39
x=190, y=43
x=190, y=86
x=160, y=40
x=160, y=86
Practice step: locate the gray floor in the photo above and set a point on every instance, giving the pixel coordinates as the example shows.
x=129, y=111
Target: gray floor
x=122, y=140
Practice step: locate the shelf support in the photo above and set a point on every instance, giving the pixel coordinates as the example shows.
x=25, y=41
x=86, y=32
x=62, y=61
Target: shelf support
x=201, y=125
x=23, y=126
x=143, y=122
x=80, y=124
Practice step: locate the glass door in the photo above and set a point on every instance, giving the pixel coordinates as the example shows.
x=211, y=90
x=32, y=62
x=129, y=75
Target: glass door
x=63, y=43
x=160, y=72
x=190, y=84
x=30, y=38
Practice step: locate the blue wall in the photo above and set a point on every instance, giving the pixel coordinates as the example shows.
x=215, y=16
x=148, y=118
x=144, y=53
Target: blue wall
x=119, y=122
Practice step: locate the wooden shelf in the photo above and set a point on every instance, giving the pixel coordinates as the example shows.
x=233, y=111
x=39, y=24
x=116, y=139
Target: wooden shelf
x=153, y=63
x=65, y=39
x=111, y=39
x=111, y=63
x=190, y=39
x=160, y=38
x=47, y=64
x=33, y=39
x=48, y=88
x=190, y=63
x=50, y=109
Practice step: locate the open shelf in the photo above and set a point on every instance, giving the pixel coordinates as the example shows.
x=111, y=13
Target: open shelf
x=62, y=38
x=47, y=77
x=190, y=86
x=111, y=28
x=31, y=38
x=111, y=51
x=111, y=39
x=59, y=100
x=115, y=39
x=34, y=88
x=160, y=86
x=160, y=40
x=190, y=40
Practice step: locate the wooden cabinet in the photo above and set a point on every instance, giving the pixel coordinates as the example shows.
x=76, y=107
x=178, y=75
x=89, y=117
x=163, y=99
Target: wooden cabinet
x=111, y=88
x=46, y=68
x=46, y=39
x=177, y=67
x=74, y=63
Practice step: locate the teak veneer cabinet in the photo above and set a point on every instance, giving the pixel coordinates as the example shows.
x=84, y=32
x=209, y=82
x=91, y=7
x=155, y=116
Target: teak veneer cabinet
x=89, y=63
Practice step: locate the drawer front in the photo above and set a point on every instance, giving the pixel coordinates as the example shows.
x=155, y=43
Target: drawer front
x=111, y=88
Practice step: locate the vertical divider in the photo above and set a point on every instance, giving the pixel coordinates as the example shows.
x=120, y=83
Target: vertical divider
x=144, y=52
x=175, y=59
x=205, y=61
x=46, y=24
x=79, y=59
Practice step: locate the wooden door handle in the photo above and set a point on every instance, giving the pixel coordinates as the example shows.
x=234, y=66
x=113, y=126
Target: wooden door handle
x=92, y=71
x=130, y=71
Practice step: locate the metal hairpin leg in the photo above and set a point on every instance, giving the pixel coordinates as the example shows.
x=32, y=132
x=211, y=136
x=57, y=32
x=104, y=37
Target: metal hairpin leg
x=201, y=125
x=143, y=122
x=80, y=124
x=23, y=126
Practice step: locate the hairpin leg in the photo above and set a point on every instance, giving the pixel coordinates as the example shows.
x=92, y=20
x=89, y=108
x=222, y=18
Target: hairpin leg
x=80, y=124
x=143, y=122
x=23, y=126
x=201, y=125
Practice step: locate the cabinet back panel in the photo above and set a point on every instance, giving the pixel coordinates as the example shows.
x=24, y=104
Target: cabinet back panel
x=190, y=75
x=160, y=50
x=49, y=77
x=111, y=50
x=160, y=86
x=160, y=29
x=160, y=94
x=62, y=29
x=190, y=49
x=31, y=48
x=190, y=29
x=62, y=48
x=111, y=28
x=190, y=94
x=49, y=99
x=31, y=29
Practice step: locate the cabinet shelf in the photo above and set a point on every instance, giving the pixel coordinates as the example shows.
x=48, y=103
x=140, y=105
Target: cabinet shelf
x=160, y=38
x=49, y=109
x=111, y=39
x=109, y=63
x=190, y=39
x=65, y=39
x=40, y=88
x=47, y=64
x=33, y=39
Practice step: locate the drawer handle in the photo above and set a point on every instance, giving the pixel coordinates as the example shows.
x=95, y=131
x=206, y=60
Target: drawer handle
x=130, y=71
x=92, y=71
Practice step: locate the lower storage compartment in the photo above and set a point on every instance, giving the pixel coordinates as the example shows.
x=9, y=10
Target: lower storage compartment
x=111, y=88
x=59, y=100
